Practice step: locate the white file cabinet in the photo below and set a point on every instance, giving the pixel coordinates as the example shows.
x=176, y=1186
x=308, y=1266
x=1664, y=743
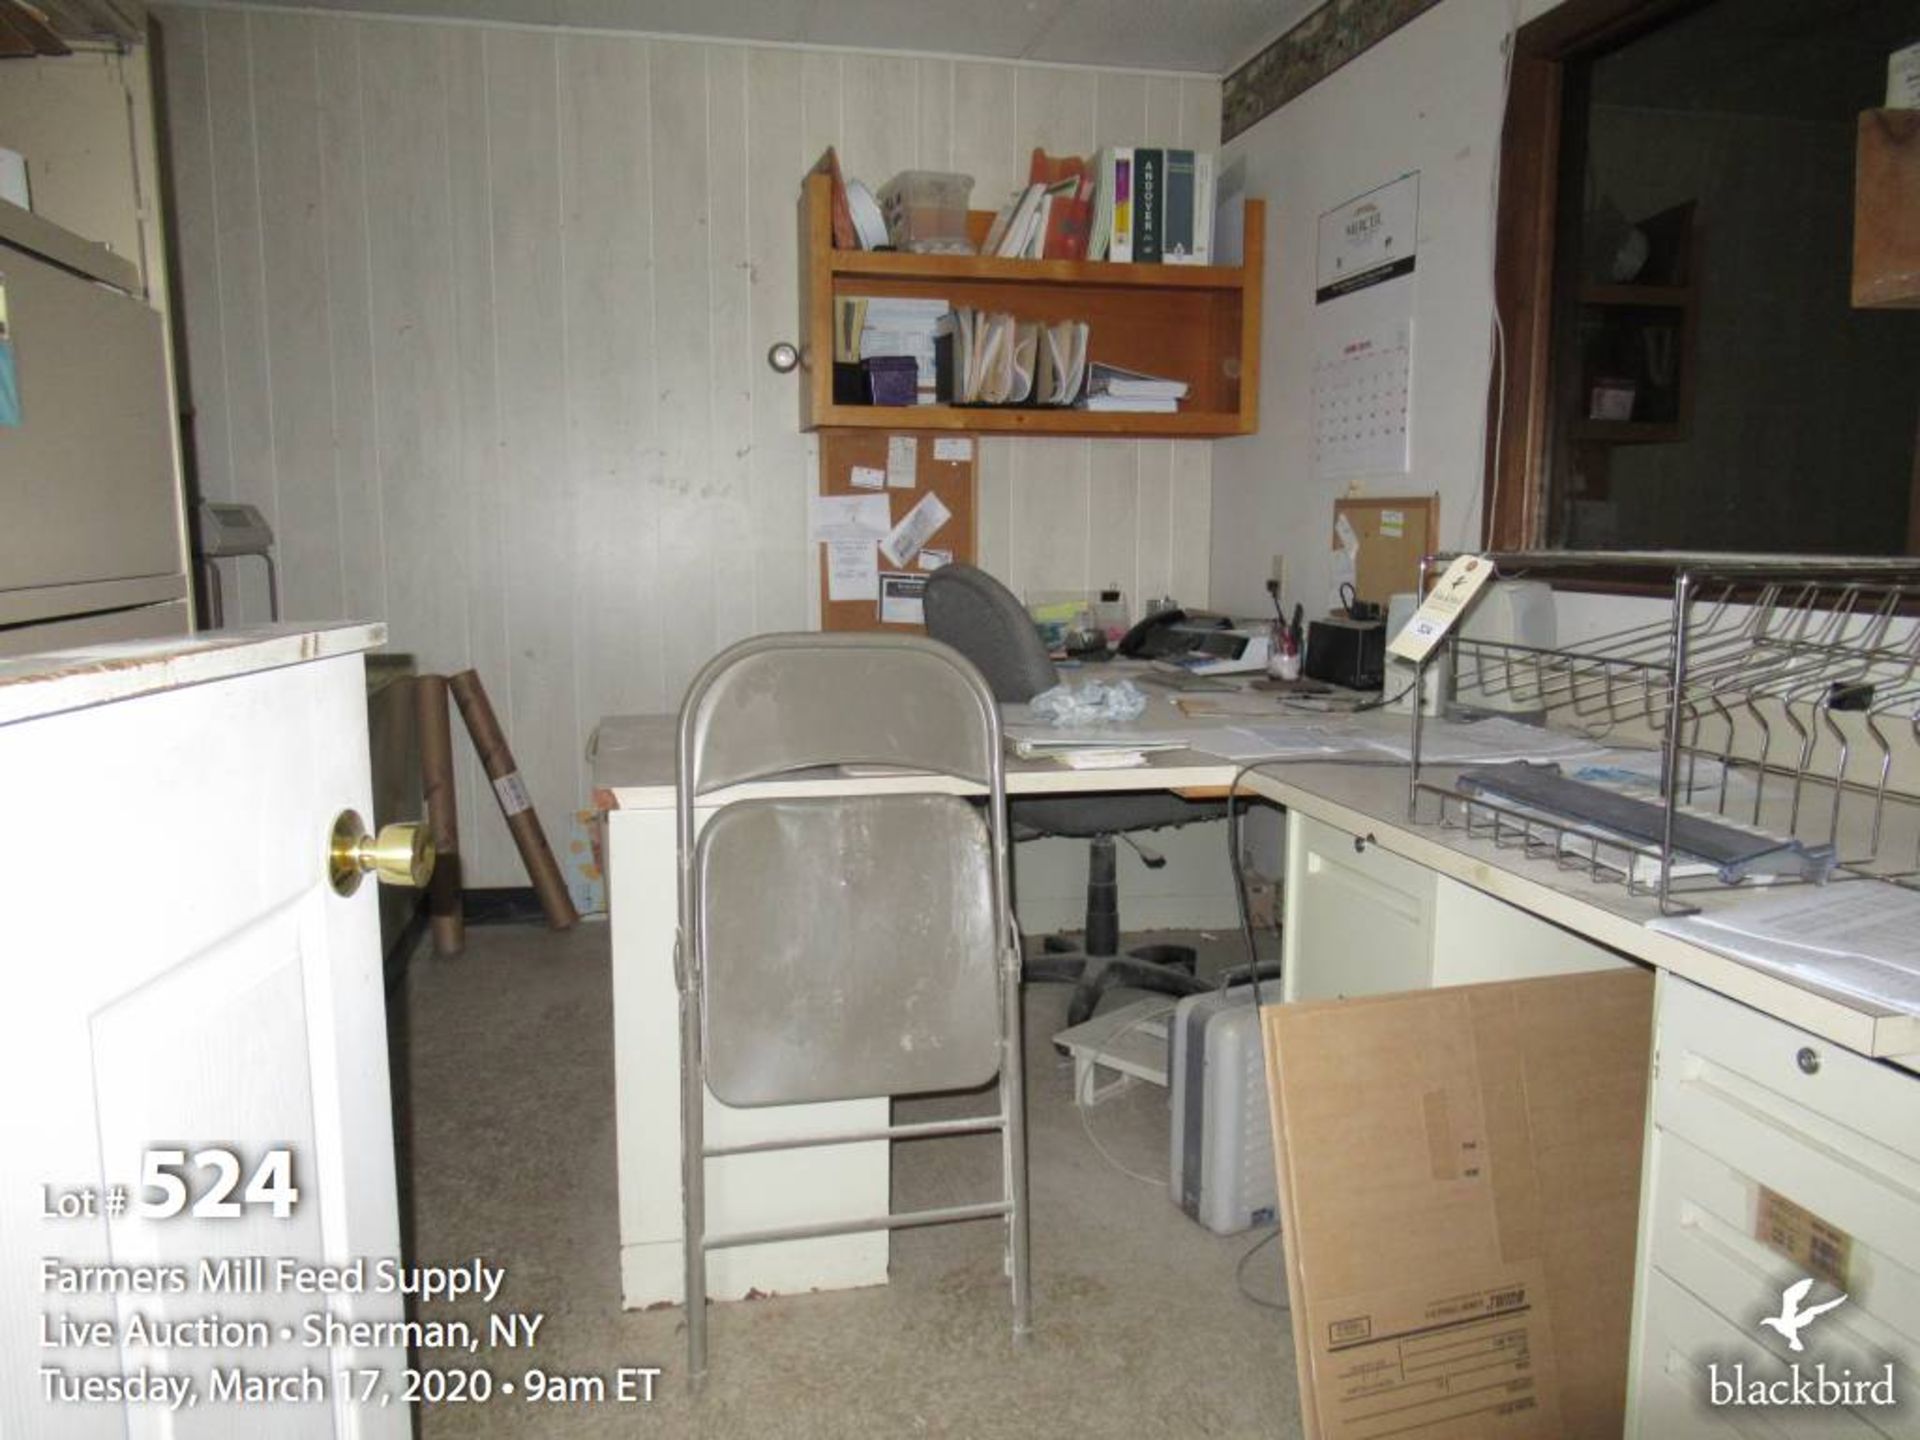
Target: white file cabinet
x=1766, y=1146
x=1361, y=920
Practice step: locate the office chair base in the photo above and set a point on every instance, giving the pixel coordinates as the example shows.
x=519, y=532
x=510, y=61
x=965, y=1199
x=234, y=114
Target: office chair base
x=1163, y=969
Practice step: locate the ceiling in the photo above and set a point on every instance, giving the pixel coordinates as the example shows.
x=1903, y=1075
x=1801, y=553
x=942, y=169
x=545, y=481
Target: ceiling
x=1207, y=36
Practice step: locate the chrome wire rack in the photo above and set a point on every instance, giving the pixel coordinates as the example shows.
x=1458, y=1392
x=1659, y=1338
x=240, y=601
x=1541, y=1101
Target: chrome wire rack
x=1783, y=697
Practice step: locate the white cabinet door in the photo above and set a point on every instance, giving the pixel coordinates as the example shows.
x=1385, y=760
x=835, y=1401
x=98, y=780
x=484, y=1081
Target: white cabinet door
x=181, y=976
x=1359, y=919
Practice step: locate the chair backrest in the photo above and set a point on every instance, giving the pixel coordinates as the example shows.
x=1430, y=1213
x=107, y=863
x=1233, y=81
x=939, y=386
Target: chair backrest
x=778, y=703
x=982, y=619
x=843, y=945
x=848, y=947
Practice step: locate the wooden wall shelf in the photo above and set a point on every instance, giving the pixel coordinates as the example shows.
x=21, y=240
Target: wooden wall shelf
x=1197, y=323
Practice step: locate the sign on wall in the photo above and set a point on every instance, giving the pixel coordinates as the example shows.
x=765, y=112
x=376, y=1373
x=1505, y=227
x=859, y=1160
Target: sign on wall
x=1369, y=240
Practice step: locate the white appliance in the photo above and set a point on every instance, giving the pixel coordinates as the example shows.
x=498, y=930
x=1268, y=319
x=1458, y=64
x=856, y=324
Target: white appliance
x=1220, y=1165
x=1223, y=652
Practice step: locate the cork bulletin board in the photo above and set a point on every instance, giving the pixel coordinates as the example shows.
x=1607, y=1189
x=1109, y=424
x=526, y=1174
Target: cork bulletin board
x=938, y=469
x=1392, y=534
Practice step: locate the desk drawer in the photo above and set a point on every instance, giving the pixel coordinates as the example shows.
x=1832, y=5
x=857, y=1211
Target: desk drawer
x=1700, y=1225
x=1674, y=1379
x=1850, y=1093
x=1842, y=1141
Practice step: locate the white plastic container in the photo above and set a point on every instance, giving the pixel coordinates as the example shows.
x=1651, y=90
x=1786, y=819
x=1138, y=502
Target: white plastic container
x=926, y=211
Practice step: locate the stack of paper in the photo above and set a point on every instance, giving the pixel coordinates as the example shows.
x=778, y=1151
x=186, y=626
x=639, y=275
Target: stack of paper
x=1110, y=387
x=1854, y=936
x=1033, y=742
x=894, y=326
x=1486, y=742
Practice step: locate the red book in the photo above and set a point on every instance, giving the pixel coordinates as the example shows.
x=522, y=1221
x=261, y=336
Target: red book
x=845, y=237
x=1077, y=227
x=1069, y=219
x=1050, y=170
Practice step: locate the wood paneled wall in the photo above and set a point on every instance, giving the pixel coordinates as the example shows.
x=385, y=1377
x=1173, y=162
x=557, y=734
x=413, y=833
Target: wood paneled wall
x=477, y=315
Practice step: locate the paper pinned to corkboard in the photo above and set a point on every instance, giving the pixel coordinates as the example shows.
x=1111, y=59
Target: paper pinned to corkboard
x=852, y=593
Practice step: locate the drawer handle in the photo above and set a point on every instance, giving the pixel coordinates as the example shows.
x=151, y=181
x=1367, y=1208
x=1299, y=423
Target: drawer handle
x=1808, y=1059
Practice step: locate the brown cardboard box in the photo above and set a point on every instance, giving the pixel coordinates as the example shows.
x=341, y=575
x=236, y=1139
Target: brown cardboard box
x=1459, y=1185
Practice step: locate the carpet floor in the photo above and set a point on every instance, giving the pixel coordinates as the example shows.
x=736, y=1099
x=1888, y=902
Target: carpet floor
x=504, y=1069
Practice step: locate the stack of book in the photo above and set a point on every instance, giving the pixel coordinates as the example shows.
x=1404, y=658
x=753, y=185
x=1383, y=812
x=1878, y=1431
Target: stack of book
x=1136, y=204
x=992, y=358
x=888, y=325
x=1110, y=387
x=1050, y=217
x=1152, y=206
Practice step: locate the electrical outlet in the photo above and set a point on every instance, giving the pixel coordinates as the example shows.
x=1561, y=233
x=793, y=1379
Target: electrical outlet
x=1278, y=576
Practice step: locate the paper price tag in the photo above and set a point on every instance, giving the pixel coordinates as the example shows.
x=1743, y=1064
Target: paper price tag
x=1438, y=613
x=512, y=791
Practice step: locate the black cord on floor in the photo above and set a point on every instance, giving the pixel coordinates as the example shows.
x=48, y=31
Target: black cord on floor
x=1240, y=1274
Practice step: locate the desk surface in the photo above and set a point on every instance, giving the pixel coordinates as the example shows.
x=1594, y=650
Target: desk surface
x=633, y=768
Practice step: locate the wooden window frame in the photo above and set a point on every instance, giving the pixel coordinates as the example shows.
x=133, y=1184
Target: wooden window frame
x=1527, y=270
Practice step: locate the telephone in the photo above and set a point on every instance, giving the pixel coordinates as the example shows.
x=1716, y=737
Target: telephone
x=1169, y=632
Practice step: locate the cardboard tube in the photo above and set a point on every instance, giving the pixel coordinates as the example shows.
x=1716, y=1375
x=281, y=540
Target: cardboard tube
x=444, y=916
x=496, y=756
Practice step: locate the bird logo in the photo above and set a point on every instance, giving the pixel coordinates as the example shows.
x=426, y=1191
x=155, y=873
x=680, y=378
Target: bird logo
x=1792, y=1319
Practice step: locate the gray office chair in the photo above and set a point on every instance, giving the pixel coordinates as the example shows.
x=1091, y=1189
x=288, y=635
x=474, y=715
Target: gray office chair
x=834, y=947
x=977, y=615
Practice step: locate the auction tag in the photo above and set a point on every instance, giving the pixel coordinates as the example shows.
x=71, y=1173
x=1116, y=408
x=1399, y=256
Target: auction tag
x=1817, y=1246
x=1440, y=611
x=512, y=791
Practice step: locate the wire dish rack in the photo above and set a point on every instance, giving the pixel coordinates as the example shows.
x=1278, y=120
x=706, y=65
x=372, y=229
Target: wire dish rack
x=1780, y=698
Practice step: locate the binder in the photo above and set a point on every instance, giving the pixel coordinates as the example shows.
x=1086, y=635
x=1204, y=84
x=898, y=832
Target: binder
x=1149, y=204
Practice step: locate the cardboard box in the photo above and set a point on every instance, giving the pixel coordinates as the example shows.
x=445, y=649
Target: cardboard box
x=1459, y=1189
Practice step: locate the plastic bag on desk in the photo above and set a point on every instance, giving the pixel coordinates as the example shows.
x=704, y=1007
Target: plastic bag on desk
x=1093, y=702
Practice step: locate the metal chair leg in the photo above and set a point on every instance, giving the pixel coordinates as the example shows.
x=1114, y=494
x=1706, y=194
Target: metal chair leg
x=1013, y=1167
x=693, y=1229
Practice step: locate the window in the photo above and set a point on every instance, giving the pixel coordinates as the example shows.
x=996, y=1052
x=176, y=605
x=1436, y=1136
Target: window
x=1684, y=366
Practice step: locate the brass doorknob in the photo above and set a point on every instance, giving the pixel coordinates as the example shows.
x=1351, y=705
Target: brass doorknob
x=401, y=854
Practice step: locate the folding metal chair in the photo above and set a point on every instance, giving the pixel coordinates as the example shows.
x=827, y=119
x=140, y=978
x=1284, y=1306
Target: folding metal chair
x=839, y=947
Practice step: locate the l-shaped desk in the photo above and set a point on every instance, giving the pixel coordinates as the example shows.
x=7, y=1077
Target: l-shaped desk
x=1464, y=909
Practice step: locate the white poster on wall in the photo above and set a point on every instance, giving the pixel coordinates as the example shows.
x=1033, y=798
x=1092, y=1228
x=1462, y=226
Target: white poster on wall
x=1369, y=240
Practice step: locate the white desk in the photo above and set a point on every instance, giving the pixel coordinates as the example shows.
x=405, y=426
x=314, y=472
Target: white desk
x=633, y=776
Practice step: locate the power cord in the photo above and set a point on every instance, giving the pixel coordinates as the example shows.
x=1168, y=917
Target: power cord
x=1080, y=1102
x=1240, y=1275
x=1235, y=813
x=1360, y=709
x=1476, y=517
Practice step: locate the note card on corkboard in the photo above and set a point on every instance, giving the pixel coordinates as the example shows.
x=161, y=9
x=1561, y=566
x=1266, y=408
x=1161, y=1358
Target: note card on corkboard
x=929, y=491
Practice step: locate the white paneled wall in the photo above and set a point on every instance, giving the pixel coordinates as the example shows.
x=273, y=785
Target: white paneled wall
x=477, y=316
